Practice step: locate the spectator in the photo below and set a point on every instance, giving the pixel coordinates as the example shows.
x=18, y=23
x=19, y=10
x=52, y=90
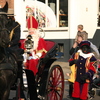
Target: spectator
x=75, y=46
x=81, y=33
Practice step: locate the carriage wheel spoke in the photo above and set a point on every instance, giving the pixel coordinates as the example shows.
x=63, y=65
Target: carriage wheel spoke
x=55, y=84
x=58, y=93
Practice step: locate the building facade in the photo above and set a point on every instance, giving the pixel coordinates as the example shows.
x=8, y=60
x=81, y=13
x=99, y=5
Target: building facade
x=59, y=20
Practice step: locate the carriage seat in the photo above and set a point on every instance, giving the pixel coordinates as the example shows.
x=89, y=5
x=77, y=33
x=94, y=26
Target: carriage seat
x=51, y=48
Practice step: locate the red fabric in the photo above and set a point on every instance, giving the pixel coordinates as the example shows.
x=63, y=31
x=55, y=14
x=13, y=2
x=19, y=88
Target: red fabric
x=32, y=22
x=99, y=66
x=49, y=45
x=77, y=93
x=32, y=64
x=22, y=42
x=76, y=90
x=92, y=67
x=41, y=45
x=84, y=93
x=71, y=59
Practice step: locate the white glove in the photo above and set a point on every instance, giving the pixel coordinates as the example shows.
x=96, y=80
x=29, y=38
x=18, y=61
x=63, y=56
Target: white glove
x=39, y=55
x=31, y=57
x=25, y=57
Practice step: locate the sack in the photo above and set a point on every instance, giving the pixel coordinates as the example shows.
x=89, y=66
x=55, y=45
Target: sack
x=72, y=74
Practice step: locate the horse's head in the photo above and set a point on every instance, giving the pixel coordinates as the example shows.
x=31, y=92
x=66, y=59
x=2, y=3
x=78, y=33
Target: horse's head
x=4, y=33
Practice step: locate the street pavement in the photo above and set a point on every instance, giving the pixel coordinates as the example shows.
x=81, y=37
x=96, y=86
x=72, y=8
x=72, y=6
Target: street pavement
x=66, y=69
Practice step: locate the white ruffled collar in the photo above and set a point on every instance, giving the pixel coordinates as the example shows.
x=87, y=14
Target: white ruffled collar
x=85, y=55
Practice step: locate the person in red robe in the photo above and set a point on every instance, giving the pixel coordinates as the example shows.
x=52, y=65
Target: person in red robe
x=31, y=59
x=39, y=46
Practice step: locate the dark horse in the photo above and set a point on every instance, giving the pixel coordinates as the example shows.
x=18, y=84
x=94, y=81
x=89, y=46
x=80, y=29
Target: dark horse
x=8, y=64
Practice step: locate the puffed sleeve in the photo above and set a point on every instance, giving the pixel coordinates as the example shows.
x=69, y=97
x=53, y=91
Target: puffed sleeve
x=91, y=67
x=73, y=59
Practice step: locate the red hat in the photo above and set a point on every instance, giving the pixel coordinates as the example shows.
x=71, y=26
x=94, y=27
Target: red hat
x=32, y=22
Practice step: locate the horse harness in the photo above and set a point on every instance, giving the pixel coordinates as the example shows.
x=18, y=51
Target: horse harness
x=9, y=62
x=12, y=32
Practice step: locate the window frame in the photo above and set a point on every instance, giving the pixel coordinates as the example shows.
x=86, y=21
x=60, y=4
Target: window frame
x=57, y=18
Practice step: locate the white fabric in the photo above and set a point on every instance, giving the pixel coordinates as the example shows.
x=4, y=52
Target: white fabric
x=31, y=57
x=39, y=54
x=94, y=48
x=33, y=54
x=85, y=55
x=25, y=57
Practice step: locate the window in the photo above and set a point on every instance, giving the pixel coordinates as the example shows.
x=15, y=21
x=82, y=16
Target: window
x=49, y=13
x=61, y=49
x=63, y=13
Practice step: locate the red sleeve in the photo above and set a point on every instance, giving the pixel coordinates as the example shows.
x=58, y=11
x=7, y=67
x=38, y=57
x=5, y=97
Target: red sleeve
x=72, y=58
x=92, y=67
x=22, y=44
x=41, y=44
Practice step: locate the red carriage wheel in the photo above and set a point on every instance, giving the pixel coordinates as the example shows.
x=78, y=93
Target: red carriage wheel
x=55, y=84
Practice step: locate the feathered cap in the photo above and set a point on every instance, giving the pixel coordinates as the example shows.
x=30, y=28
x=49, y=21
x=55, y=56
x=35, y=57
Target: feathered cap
x=87, y=43
x=32, y=22
x=4, y=10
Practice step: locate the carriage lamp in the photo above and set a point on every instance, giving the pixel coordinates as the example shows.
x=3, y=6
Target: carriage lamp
x=29, y=43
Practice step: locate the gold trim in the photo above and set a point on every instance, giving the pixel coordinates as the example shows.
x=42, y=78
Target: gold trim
x=87, y=63
x=37, y=56
x=40, y=51
x=12, y=32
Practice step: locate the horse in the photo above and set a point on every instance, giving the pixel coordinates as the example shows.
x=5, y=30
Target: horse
x=8, y=63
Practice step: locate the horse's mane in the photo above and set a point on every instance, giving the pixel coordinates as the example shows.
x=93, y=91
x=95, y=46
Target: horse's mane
x=4, y=33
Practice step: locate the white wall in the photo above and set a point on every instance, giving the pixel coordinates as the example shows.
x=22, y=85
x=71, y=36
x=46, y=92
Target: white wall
x=80, y=12
x=57, y=35
x=19, y=14
x=20, y=11
x=83, y=12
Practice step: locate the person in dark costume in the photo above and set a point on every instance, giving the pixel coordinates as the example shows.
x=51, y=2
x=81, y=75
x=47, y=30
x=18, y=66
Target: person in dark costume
x=73, y=50
x=85, y=69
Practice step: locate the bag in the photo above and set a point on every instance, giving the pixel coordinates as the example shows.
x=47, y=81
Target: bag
x=72, y=74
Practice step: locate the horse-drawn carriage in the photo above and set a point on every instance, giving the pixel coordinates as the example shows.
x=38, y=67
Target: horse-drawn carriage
x=49, y=80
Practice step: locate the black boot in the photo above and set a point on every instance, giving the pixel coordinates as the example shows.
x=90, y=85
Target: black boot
x=70, y=89
x=31, y=85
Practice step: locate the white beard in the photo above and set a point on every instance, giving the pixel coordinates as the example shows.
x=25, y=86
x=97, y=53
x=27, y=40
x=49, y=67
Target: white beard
x=35, y=39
